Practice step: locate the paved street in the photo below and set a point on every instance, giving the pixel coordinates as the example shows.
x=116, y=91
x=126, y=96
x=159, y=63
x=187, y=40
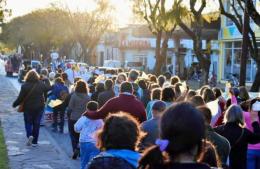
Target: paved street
x=53, y=151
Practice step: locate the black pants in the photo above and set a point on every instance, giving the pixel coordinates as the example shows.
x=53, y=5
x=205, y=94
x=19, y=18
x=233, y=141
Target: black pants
x=32, y=124
x=73, y=135
x=61, y=113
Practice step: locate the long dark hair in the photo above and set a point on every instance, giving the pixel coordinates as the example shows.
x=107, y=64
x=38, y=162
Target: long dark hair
x=183, y=126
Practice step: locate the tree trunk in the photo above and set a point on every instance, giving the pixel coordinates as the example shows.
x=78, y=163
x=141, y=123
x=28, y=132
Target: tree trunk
x=243, y=61
x=164, y=51
x=158, y=62
x=256, y=84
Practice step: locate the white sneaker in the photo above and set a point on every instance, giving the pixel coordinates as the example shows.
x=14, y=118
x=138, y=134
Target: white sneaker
x=34, y=145
x=29, y=142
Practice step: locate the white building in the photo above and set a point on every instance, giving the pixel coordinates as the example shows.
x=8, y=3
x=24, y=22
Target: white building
x=135, y=47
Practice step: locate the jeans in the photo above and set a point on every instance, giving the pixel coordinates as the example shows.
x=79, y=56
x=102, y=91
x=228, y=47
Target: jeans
x=32, y=124
x=61, y=114
x=253, y=159
x=73, y=135
x=87, y=152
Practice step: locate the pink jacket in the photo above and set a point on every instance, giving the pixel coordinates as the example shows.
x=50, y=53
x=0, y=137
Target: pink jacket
x=249, y=127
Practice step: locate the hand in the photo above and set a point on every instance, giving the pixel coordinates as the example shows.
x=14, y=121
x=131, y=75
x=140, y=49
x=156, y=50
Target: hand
x=254, y=116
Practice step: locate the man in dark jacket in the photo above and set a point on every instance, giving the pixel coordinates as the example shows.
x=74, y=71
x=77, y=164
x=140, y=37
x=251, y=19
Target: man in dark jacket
x=125, y=102
x=103, y=97
x=151, y=127
x=221, y=143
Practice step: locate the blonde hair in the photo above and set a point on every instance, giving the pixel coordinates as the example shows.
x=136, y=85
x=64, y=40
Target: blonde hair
x=234, y=114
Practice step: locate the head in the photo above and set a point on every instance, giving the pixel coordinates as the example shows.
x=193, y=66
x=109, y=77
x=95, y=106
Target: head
x=126, y=87
x=81, y=87
x=158, y=108
x=217, y=92
x=168, y=94
x=243, y=93
x=92, y=106
x=206, y=113
x=190, y=94
x=44, y=72
x=51, y=75
x=161, y=80
x=100, y=87
x=153, y=79
x=142, y=84
x=120, y=131
x=201, y=90
x=121, y=78
x=109, y=84
x=133, y=75
x=208, y=95
x=234, y=114
x=64, y=76
x=183, y=125
x=197, y=100
x=167, y=75
x=175, y=79
x=32, y=77
x=156, y=94
x=59, y=80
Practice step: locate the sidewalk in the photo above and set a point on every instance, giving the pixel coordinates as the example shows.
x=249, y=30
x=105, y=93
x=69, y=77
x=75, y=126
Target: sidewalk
x=48, y=155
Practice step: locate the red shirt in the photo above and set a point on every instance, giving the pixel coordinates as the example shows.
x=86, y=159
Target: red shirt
x=124, y=102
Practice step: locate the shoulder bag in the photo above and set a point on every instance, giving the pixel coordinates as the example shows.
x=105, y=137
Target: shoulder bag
x=21, y=106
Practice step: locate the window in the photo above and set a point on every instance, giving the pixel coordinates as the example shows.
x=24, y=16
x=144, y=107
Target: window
x=232, y=58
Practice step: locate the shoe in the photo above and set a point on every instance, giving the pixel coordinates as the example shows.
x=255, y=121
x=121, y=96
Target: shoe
x=29, y=142
x=75, y=154
x=34, y=145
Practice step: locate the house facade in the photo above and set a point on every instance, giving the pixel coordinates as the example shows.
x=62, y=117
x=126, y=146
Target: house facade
x=230, y=43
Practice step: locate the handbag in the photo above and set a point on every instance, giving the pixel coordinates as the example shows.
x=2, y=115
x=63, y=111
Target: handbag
x=21, y=106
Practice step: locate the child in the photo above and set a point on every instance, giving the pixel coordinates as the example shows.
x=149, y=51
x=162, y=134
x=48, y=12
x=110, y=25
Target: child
x=87, y=129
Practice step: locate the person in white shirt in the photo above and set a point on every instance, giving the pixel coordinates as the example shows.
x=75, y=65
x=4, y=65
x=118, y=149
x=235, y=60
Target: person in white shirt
x=87, y=129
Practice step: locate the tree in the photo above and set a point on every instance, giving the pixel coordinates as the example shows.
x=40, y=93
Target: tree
x=194, y=30
x=161, y=25
x=4, y=12
x=40, y=31
x=91, y=26
x=253, y=13
x=235, y=15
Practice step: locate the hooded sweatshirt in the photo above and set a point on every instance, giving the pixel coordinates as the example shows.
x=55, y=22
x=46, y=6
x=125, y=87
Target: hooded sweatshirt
x=130, y=156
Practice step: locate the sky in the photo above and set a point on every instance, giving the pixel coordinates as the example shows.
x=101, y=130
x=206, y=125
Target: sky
x=123, y=12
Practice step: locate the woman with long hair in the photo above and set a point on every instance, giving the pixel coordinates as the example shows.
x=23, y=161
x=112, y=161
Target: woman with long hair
x=182, y=132
x=238, y=136
x=77, y=106
x=32, y=97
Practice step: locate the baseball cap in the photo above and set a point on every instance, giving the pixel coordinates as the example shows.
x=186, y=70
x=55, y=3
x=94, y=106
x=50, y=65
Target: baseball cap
x=159, y=106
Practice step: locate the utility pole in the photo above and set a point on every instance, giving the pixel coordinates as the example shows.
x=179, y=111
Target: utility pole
x=246, y=39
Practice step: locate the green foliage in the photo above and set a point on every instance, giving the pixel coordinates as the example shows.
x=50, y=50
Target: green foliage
x=58, y=28
x=3, y=152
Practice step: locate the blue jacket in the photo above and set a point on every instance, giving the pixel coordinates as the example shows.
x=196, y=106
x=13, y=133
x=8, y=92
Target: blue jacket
x=57, y=89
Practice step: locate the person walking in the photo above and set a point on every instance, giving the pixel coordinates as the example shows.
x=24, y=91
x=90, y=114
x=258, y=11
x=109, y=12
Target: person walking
x=31, y=96
x=77, y=106
x=239, y=137
x=125, y=102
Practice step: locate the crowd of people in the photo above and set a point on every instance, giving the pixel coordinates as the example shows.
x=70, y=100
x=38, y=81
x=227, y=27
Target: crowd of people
x=130, y=120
